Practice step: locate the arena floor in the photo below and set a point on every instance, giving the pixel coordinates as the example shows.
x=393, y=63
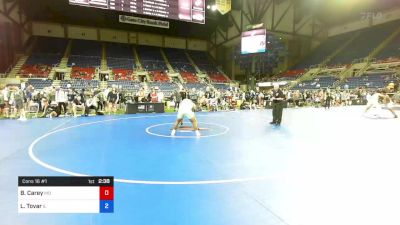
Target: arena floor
x=319, y=168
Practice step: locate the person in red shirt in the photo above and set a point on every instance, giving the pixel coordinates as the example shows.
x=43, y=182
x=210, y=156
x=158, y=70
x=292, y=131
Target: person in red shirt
x=154, y=96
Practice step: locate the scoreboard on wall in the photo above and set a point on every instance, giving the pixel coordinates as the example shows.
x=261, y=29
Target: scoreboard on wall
x=65, y=194
x=184, y=10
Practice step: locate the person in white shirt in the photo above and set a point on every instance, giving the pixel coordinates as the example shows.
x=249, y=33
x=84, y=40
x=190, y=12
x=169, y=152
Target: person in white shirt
x=186, y=109
x=160, y=96
x=5, y=93
x=61, y=99
x=373, y=102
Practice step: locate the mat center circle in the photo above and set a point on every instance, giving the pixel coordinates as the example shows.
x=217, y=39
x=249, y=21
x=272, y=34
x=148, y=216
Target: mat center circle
x=186, y=131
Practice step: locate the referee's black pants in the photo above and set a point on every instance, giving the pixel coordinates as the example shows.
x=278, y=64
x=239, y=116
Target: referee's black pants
x=277, y=109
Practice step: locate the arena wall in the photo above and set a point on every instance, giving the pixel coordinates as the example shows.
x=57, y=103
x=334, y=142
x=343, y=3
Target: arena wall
x=199, y=45
x=172, y=42
x=150, y=39
x=85, y=33
x=48, y=30
x=367, y=19
x=114, y=36
x=120, y=36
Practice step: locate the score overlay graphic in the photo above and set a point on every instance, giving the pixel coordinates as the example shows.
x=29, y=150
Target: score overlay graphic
x=65, y=194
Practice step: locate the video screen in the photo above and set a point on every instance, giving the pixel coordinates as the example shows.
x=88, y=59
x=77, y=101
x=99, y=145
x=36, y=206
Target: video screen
x=253, y=41
x=184, y=10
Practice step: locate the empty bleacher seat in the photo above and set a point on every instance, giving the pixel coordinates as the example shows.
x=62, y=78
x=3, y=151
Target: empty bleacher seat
x=166, y=88
x=221, y=86
x=84, y=61
x=120, y=56
x=218, y=78
x=363, y=45
x=159, y=76
x=46, y=53
x=392, y=50
x=85, y=54
x=151, y=58
x=80, y=84
x=189, y=77
x=376, y=80
x=203, y=61
x=86, y=48
x=82, y=73
x=39, y=84
x=196, y=86
x=36, y=70
x=123, y=74
x=179, y=60
x=125, y=85
x=320, y=82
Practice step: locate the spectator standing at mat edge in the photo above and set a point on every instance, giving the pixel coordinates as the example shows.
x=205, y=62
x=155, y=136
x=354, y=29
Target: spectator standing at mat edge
x=277, y=105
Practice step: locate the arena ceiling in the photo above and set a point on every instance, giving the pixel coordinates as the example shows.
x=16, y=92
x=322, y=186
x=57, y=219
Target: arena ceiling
x=336, y=12
x=61, y=12
x=328, y=12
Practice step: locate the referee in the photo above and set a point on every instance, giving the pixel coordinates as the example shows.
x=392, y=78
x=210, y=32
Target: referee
x=277, y=105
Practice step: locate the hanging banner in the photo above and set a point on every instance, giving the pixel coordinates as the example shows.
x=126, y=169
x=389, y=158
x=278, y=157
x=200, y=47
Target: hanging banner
x=224, y=6
x=143, y=21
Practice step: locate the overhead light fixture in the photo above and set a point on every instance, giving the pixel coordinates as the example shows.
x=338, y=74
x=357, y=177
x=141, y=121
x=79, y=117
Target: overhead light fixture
x=214, y=8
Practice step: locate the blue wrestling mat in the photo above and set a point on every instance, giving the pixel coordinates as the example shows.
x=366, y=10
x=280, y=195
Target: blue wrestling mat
x=319, y=167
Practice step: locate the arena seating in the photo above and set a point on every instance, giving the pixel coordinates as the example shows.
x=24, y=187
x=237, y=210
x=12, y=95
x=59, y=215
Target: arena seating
x=120, y=56
x=83, y=73
x=323, y=81
x=369, y=39
x=43, y=59
x=48, y=45
x=84, y=61
x=323, y=51
x=151, y=58
x=159, y=76
x=179, y=60
x=189, y=77
x=46, y=53
x=291, y=78
x=378, y=80
x=166, y=88
x=203, y=61
x=86, y=48
x=293, y=73
x=392, y=50
x=125, y=84
x=123, y=74
x=81, y=84
x=85, y=54
x=222, y=86
x=39, y=84
x=197, y=86
x=36, y=70
x=218, y=78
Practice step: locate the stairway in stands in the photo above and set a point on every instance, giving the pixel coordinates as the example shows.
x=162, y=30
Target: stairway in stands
x=313, y=72
x=15, y=70
x=198, y=71
x=22, y=59
x=369, y=59
x=170, y=69
x=64, y=62
x=137, y=59
x=103, y=85
x=56, y=83
x=342, y=48
x=104, y=66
